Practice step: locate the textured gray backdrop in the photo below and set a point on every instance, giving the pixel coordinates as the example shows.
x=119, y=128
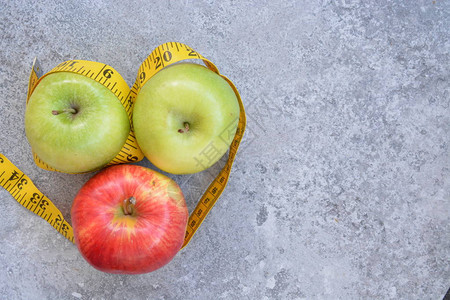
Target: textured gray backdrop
x=341, y=188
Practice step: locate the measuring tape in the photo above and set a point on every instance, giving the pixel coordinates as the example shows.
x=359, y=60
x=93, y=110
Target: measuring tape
x=25, y=192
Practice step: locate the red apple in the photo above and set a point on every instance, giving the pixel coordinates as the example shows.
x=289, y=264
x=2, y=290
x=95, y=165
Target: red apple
x=129, y=219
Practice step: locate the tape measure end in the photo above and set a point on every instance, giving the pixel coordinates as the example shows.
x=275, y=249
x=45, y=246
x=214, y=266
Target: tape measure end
x=37, y=67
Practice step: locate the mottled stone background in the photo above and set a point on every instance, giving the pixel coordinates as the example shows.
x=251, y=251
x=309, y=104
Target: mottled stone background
x=341, y=189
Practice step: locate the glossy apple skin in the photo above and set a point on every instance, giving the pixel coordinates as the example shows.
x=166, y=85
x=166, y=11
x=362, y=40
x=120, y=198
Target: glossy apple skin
x=179, y=94
x=129, y=244
x=81, y=142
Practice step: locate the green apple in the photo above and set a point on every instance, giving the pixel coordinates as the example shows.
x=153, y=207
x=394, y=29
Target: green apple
x=75, y=124
x=185, y=118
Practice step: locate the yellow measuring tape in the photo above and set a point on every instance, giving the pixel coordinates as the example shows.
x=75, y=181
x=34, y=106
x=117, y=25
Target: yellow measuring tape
x=25, y=192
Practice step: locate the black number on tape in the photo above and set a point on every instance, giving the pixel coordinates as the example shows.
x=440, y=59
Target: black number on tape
x=167, y=56
x=192, y=52
x=34, y=198
x=14, y=176
x=64, y=228
x=21, y=183
x=57, y=220
x=130, y=157
x=157, y=62
x=61, y=65
x=142, y=77
x=107, y=73
x=43, y=204
x=130, y=101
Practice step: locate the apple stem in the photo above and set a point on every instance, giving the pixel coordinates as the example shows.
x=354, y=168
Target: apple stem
x=186, y=128
x=128, y=205
x=69, y=110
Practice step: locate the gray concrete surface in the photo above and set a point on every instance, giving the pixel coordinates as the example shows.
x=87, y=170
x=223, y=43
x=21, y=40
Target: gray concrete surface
x=341, y=188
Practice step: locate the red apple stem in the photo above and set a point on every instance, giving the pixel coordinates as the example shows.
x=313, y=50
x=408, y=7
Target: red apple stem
x=128, y=205
x=69, y=110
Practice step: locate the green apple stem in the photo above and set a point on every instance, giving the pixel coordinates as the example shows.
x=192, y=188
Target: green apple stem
x=185, y=129
x=128, y=205
x=68, y=110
